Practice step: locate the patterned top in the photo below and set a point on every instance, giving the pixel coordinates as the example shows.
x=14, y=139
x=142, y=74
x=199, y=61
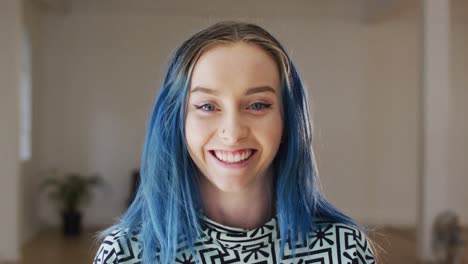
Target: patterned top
x=329, y=243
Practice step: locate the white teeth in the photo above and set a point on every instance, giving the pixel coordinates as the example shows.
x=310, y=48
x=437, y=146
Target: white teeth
x=228, y=157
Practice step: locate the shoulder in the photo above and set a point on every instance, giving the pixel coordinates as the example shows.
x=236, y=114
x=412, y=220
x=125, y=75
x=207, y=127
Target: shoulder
x=346, y=242
x=120, y=246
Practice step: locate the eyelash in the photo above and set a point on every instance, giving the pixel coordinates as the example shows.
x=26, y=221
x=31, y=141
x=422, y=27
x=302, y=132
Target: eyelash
x=263, y=106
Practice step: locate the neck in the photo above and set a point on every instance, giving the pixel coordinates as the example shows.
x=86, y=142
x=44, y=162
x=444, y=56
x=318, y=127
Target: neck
x=247, y=209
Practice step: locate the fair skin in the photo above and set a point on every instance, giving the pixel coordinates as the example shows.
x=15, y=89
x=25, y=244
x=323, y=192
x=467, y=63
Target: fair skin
x=233, y=129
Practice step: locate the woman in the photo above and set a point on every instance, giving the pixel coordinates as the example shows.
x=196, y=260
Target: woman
x=227, y=173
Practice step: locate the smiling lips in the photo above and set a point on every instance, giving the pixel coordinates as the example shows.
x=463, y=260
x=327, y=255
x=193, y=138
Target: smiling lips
x=233, y=156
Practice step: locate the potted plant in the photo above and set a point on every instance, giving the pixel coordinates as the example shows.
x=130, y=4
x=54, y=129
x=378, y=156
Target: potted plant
x=71, y=191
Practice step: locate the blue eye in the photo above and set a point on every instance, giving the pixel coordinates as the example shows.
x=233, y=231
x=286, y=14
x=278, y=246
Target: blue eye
x=258, y=106
x=206, y=107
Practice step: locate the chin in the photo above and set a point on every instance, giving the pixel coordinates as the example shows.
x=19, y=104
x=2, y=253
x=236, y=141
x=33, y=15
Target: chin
x=230, y=187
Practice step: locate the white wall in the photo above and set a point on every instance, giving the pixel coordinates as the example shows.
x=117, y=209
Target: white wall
x=100, y=78
x=394, y=88
x=458, y=141
x=102, y=65
x=10, y=58
x=394, y=84
x=331, y=57
x=28, y=172
x=101, y=74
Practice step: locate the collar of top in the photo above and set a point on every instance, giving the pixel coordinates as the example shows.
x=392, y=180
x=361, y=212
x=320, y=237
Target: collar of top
x=240, y=238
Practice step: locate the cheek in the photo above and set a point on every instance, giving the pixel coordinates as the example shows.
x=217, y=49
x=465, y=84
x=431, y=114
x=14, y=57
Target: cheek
x=196, y=132
x=269, y=131
x=276, y=133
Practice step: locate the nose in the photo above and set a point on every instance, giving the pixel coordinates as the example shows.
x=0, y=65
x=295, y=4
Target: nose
x=232, y=129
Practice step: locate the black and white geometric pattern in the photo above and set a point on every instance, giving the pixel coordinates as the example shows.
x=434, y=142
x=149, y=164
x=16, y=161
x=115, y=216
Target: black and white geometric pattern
x=329, y=243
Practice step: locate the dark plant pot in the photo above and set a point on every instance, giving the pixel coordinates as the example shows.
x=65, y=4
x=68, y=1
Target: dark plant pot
x=71, y=223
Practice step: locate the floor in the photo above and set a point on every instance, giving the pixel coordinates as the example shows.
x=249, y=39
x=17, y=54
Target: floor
x=52, y=247
x=398, y=246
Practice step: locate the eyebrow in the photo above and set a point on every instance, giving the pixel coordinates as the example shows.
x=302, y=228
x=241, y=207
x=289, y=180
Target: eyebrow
x=249, y=91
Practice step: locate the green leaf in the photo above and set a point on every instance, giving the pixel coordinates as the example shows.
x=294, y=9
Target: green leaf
x=71, y=190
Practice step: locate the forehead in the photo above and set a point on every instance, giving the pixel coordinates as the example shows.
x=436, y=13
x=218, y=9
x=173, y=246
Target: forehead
x=234, y=66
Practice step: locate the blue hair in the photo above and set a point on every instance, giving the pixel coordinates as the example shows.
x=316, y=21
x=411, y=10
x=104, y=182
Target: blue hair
x=167, y=206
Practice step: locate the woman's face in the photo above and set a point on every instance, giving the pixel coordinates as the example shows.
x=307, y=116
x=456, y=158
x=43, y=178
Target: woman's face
x=233, y=124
